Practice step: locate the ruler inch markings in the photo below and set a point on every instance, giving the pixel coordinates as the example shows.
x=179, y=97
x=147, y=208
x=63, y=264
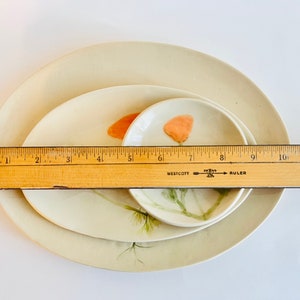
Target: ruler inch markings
x=150, y=167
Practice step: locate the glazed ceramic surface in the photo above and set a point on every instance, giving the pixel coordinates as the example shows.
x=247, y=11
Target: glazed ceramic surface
x=203, y=124
x=99, y=213
x=126, y=63
x=110, y=214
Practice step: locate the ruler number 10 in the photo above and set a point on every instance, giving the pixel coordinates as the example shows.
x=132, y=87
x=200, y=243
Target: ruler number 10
x=283, y=157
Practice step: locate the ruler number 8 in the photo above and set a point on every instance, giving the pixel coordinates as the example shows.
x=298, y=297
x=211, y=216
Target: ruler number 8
x=222, y=157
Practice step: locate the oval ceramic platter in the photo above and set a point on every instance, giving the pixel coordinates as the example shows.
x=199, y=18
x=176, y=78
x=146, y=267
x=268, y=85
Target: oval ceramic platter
x=99, y=213
x=126, y=63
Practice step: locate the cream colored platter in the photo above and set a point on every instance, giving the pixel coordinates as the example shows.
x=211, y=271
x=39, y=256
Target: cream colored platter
x=99, y=213
x=139, y=63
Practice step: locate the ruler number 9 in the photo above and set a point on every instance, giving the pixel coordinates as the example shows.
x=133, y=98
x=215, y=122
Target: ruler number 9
x=253, y=157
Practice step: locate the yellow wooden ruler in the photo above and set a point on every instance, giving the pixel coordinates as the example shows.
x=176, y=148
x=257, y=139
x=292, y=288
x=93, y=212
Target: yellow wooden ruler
x=150, y=167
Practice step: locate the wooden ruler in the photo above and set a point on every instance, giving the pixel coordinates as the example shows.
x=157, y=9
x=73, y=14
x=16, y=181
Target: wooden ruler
x=256, y=166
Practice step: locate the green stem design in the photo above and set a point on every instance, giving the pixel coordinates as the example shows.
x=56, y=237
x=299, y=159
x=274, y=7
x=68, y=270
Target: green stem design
x=133, y=249
x=179, y=200
x=222, y=193
x=171, y=194
x=140, y=216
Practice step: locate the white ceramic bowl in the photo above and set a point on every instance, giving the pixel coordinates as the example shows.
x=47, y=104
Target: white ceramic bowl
x=185, y=121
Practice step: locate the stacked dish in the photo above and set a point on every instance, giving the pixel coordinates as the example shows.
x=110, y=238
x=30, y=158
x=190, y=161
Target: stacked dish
x=75, y=101
x=186, y=121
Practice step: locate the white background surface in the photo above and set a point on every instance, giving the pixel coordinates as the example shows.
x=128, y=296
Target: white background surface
x=259, y=38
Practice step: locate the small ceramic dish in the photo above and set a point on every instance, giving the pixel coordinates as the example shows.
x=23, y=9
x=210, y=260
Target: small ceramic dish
x=185, y=121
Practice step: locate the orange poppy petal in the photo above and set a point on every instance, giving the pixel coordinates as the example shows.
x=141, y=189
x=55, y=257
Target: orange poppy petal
x=179, y=128
x=118, y=129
